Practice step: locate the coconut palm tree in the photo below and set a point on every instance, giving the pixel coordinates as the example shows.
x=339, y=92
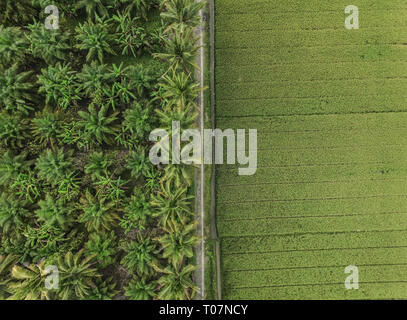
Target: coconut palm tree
x=77, y=275
x=55, y=212
x=180, y=49
x=59, y=84
x=29, y=282
x=16, y=12
x=6, y=263
x=47, y=126
x=186, y=116
x=177, y=174
x=179, y=242
x=182, y=12
x=95, y=38
x=49, y=45
x=13, y=129
x=171, y=205
x=11, y=165
x=137, y=212
x=95, y=78
x=138, y=163
x=13, y=45
x=179, y=89
x=141, y=289
x=140, y=7
x=103, y=247
x=95, y=8
x=176, y=283
x=16, y=90
x=131, y=35
x=137, y=121
x=98, y=125
x=140, y=256
x=97, y=213
x=54, y=166
x=98, y=165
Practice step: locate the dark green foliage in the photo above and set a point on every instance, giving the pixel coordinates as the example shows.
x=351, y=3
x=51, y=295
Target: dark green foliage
x=138, y=163
x=98, y=214
x=94, y=38
x=77, y=275
x=181, y=49
x=77, y=187
x=11, y=166
x=47, y=126
x=177, y=283
x=103, y=247
x=54, y=166
x=141, y=289
x=55, y=212
x=13, y=129
x=13, y=45
x=15, y=89
x=132, y=36
x=140, y=256
x=139, y=7
x=179, y=242
x=98, y=165
x=98, y=125
x=171, y=205
x=16, y=12
x=59, y=85
x=13, y=213
x=182, y=12
x=95, y=8
x=137, y=213
x=49, y=45
x=95, y=78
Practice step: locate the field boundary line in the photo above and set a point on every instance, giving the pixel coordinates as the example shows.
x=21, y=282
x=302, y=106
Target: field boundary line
x=319, y=249
x=391, y=27
x=316, y=199
x=315, y=284
x=308, y=233
x=308, y=182
x=282, y=115
x=303, y=11
x=314, y=97
x=325, y=147
x=310, y=217
x=314, y=80
x=316, y=267
x=330, y=130
x=402, y=45
x=318, y=165
x=313, y=46
x=307, y=63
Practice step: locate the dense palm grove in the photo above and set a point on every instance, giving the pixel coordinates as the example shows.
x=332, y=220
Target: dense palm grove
x=77, y=188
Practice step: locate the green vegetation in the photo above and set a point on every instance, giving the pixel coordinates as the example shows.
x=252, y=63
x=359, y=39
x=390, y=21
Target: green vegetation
x=77, y=188
x=330, y=190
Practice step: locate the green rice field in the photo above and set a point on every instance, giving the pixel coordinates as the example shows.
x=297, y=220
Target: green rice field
x=330, y=107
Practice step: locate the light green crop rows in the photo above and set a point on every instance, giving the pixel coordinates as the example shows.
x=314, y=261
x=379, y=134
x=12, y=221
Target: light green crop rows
x=330, y=107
